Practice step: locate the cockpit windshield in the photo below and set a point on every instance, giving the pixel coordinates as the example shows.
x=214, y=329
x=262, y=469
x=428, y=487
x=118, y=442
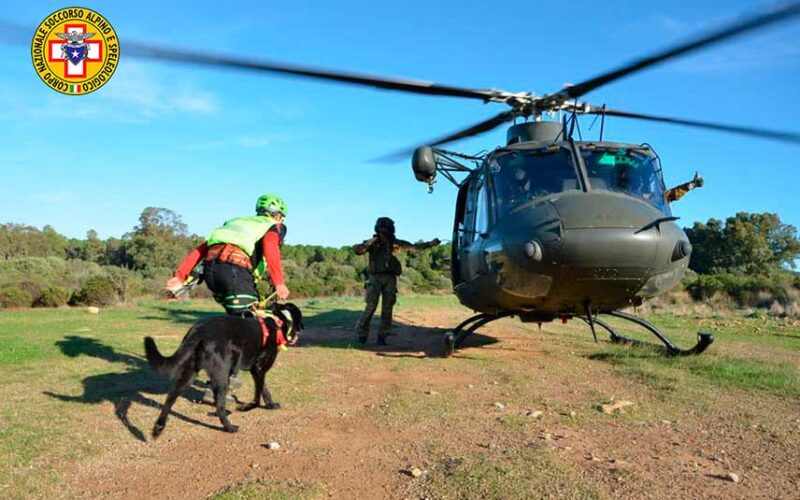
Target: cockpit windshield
x=520, y=176
x=636, y=172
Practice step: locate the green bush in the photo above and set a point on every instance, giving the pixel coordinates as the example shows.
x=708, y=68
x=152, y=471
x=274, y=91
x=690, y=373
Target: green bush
x=55, y=296
x=129, y=284
x=14, y=297
x=703, y=287
x=745, y=290
x=97, y=291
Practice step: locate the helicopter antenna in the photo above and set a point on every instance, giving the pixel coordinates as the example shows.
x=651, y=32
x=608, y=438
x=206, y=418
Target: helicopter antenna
x=602, y=117
x=602, y=121
x=563, y=120
x=573, y=119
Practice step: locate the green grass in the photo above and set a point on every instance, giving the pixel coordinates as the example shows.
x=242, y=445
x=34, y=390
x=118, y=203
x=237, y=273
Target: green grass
x=58, y=366
x=651, y=367
x=528, y=472
x=271, y=490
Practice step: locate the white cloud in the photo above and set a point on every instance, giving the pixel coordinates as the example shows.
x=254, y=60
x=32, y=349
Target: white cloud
x=140, y=87
x=741, y=54
x=134, y=94
x=243, y=141
x=61, y=196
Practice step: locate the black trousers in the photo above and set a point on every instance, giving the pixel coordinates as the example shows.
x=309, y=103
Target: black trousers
x=233, y=286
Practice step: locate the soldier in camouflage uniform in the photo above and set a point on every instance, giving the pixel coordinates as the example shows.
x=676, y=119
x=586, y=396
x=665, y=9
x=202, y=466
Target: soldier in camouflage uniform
x=383, y=269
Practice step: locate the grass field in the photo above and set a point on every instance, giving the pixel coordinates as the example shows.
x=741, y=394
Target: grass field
x=514, y=414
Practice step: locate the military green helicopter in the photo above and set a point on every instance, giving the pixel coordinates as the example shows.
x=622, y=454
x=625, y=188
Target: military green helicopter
x=548, y=227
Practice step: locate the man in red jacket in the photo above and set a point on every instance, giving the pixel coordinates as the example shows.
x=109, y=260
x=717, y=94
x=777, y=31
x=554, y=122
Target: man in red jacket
x=234, y=257
x=239, y=253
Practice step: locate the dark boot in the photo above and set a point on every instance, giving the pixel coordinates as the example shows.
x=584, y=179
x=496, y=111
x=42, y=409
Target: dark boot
x=208, y=397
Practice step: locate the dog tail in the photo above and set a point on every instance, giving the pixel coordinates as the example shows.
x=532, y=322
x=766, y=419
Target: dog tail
x=168, y=366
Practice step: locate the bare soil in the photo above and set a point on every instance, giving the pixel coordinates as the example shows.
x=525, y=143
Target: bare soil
x=356, y=421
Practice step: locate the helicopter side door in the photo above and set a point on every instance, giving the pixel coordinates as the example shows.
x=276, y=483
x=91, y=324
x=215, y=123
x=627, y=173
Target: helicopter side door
x=458, y=233
x=476, y=227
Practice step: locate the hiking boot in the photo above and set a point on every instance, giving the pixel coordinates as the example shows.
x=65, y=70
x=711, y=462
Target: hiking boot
x=208, y=397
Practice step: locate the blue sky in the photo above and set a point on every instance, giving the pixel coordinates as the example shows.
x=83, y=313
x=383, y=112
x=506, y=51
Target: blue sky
x=207, y=143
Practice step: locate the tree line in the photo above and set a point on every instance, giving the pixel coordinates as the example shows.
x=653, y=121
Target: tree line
x=749, y=257
x=41, y=267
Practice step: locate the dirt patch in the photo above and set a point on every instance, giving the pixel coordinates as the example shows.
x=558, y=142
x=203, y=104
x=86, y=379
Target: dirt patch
x=516, y=408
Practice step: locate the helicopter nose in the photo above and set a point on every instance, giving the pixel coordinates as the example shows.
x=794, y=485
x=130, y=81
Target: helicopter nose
x=611, y=244
x=609, y=251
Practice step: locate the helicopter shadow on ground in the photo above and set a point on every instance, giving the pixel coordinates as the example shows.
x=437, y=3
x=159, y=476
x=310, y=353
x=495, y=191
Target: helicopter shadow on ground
x=337, y=329
x=121, y=389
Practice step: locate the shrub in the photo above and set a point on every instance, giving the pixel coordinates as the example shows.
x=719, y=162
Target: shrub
x=97, y=291
x=704, y=287
x=128, y=283
x=55, y=296
x=14, y=297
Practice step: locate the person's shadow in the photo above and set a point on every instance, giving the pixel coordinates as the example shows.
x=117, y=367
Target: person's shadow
x=120, y=388
x=336, y=329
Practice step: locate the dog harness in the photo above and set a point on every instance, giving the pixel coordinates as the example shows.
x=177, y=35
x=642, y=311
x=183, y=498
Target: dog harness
x=281, y=338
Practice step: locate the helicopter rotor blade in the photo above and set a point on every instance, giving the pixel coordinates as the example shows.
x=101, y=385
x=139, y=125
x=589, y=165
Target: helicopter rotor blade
x=16, y=34
x=478, y=128
x=776, y=15
x=239, y=63
x=777, y=135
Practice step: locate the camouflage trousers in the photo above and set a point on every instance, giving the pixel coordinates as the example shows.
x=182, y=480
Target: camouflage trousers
x=379, y=286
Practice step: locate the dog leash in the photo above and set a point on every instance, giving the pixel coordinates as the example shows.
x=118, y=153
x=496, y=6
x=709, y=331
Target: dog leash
x=262, y=304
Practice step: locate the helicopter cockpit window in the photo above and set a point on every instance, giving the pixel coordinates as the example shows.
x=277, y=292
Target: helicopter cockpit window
x=634, y=172
x=520, y=176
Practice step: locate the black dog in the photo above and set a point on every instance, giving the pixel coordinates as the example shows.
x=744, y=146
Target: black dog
x=222, y=345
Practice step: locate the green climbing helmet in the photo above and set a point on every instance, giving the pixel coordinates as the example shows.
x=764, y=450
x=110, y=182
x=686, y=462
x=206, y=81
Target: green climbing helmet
x=270, y=204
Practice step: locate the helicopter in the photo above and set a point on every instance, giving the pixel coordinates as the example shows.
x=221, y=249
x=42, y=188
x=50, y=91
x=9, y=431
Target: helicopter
x=548, y=227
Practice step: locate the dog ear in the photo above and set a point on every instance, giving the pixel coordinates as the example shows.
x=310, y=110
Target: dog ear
x=297, y=316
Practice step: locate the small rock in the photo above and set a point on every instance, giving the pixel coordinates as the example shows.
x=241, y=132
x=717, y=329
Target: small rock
x=416, y=472
x=614, y=407
x=500, y=406
x=732, y=477
x=547, y=436
x=255, y=466
x=93, y=310
x=431, y=393
x=470, y=386
x=666, y=422
x=272, y=445
x=534, y=414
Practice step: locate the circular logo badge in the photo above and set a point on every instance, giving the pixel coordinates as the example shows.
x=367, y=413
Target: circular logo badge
x=75, y=50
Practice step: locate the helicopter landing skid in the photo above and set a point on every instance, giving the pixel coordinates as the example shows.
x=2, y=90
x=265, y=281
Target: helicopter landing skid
x=456, y=336
x=703, y=339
